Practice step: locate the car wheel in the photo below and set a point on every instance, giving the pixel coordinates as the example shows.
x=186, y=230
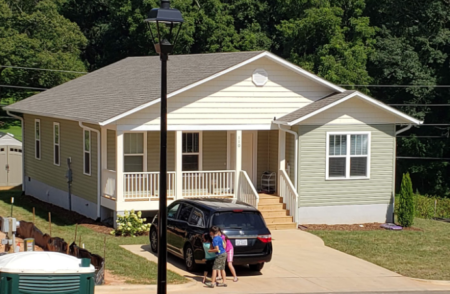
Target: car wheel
x=154, y=240
x=189, y=259
x=257, y=267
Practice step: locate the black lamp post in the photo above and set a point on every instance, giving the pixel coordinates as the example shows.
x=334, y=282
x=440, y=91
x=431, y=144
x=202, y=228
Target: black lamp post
x=168, y=25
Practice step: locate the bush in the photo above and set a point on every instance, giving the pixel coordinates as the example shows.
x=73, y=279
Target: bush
x=406, y=212
x=131, y=224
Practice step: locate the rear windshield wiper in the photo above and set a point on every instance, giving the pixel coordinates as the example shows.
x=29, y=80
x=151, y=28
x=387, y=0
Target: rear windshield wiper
x=235, y=228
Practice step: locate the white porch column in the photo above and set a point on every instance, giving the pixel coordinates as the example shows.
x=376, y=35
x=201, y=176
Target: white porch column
x=104, y=161
x=119, y=168
x=281, y=155
x=238, y=164
x=178, y=164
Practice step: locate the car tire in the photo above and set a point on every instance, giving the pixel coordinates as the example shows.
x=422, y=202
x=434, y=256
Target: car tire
x=189, y=259
x=257, y=267
x=153, y=236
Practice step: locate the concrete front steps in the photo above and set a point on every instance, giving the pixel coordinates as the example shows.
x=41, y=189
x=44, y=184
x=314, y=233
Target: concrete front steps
x=275, y=214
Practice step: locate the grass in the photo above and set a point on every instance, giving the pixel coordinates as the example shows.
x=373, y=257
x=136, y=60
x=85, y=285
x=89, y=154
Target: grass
x=119, y=261
x=16, y=130
x=419, y=254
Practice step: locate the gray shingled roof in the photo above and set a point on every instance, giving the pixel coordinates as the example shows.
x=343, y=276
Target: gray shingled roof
x=125, y=85
x=310, y=108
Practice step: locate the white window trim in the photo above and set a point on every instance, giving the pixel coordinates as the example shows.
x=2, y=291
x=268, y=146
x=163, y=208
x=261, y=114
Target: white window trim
x=90, y=153
x=200, y=149
x=35, y=139
x=144, y=148
x=59, y=143
x=348, y=156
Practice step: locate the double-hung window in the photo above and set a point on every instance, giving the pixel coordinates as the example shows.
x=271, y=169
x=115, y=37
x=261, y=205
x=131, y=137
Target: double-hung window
x=191, y=151
x=87, y=152
x=37, y=139
x=348, y=155
x=133, y=152
x=56, y=144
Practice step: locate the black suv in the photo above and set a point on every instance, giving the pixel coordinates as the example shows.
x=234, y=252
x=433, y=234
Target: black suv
x=189, y=219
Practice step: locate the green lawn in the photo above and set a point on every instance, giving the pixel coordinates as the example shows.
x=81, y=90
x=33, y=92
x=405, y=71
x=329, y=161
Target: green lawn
x=419, y=254
x=121, y=262
x=16, y=130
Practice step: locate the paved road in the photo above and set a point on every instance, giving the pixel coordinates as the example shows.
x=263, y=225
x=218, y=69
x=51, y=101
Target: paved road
x=301, y=264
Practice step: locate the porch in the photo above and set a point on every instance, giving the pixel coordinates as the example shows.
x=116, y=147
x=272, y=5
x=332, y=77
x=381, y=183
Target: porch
x=219, y=164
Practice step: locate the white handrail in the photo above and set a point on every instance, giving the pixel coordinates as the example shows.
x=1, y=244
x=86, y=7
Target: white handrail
x=208, y=183
x=246, y=191
x=289, y=195
x=145, y=185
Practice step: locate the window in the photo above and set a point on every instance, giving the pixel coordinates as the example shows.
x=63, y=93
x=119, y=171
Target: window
x=37, y=139
x=348, y=156
x=172, y=213
x=87, y=152
x=56, y=149
x=196, y=218
x=185, y=212
x=133, y=152
x=247, y=220
x=191, y=151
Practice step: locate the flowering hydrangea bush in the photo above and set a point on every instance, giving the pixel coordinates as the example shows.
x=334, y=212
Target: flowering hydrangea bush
x=131, y=224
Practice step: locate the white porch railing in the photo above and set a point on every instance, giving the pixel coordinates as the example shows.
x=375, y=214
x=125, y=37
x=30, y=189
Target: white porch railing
x=246, y=191
x=109, y=183
x=145, y=185
x=208, y=183
x=289, y=195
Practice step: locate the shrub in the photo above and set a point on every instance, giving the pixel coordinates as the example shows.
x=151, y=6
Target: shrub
x=406, y=212
x=131, y=224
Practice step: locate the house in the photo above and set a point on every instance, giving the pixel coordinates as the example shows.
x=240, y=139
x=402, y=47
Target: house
x=10, y=161
x=238, y=123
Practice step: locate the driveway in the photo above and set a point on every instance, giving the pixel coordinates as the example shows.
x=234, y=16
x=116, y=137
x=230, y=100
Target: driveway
x=301, y=263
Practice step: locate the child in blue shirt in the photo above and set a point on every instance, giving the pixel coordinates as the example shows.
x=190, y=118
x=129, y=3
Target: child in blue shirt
x=221, y=257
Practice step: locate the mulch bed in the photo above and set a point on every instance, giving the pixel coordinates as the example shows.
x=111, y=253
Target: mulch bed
x=357, y=227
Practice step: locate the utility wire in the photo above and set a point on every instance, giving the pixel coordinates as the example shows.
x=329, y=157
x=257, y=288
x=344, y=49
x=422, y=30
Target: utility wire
x=419, y=105
x=398, y=86
x=424, y=158
x=22, y=87
x=35, y=68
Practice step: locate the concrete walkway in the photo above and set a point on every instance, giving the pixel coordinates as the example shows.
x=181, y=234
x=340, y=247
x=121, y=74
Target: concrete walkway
x=300, y=264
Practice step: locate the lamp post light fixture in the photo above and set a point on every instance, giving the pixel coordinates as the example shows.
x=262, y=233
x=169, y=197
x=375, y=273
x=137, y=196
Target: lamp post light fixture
x=168, y=25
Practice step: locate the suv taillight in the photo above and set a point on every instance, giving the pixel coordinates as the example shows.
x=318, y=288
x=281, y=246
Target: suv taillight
x=265, y=238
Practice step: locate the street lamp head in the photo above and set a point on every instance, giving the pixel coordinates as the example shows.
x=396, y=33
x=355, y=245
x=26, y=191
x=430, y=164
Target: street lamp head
x=168, y=25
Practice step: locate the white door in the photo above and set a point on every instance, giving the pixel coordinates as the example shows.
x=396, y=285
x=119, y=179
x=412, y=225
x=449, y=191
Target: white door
x=14, y=165
x=4, y=166
x=248, y=153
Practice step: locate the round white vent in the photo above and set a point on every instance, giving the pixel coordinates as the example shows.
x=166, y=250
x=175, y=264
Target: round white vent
x=260, y=77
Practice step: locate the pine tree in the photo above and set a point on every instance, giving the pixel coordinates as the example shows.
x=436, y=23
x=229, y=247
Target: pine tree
x=406, y=202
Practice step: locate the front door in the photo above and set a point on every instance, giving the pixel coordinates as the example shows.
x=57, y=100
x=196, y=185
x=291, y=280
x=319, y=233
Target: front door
x=248, y=153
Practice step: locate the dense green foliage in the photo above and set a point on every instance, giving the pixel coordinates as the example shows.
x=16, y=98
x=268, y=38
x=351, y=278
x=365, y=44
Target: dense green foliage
x=429, y=207
x=405, y=210
x=349, y=42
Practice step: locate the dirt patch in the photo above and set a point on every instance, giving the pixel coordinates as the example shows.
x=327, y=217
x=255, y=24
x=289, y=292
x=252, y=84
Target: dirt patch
x=111, y=279
x=358, y=227
x=18, y=240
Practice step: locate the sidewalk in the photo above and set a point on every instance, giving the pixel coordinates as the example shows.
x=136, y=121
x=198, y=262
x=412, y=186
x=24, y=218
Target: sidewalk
x=300, y=264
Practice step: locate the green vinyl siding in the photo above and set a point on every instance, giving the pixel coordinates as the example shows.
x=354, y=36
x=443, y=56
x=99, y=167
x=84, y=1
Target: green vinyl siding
x=214, y=150
x=71, y=145
x=267, y=157
x=153, y=139
x=314, y=190
x=111, y=141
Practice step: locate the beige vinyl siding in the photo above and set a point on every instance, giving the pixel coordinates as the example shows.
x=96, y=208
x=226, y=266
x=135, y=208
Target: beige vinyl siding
x=233, y=99
x=354, y=111
x=290, y=155
x=111, y=141
x=314, y=190
x=71, y=145
x=153, y=142
x=267, y=156
x=214, y=150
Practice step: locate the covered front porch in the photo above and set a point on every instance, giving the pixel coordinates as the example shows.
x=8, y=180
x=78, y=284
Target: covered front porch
x=201, y=164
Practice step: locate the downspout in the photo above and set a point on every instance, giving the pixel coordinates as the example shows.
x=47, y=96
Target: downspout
x=403, y=130
x=23, y=150
x=99, y=174
x=296, y=153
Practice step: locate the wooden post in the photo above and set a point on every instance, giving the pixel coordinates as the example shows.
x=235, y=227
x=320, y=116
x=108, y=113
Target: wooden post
x=34, y=216
x=50, y=223
x=104, y=254
x=76, y=229
x=79, y=242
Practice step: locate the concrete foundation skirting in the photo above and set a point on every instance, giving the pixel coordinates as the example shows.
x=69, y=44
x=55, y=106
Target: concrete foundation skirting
x=346, y=214
x=49, y=194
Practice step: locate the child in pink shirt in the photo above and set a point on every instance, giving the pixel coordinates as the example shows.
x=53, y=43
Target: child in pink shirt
x=230, y=252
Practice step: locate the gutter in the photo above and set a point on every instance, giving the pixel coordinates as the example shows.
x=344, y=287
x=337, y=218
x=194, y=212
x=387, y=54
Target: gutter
x=23, y=150
x=99, y=174
x=403, y=130
x=296, y=153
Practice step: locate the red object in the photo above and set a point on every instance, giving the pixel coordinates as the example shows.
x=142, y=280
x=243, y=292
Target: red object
x=238, y=210
x=265, y=238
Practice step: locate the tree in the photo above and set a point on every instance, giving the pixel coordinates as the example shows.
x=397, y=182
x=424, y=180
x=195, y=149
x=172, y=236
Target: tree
x=34, y=34
x=406, y=210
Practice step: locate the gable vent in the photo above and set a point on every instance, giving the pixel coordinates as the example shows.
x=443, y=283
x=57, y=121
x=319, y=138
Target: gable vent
x=260, y=77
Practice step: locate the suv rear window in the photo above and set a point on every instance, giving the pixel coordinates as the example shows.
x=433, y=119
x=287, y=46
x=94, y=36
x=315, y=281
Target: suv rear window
x=247, y=220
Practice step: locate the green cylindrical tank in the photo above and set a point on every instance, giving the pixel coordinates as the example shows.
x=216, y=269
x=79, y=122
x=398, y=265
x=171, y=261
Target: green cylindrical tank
x=45, y=272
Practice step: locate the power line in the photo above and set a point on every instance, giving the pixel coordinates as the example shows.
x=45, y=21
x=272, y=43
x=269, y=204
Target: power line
x=22, y=87
x=433, y=137
x=398, y=86
x=424, y=158
x=419, y=105
x=45, y=69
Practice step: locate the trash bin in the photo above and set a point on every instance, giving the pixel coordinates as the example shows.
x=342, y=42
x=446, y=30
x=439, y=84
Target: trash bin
x=45, y=272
